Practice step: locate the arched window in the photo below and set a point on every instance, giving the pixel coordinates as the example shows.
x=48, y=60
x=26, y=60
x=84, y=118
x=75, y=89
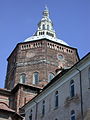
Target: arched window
x=47, y=27
x=39, y=27
x=43, y=27
x=72, y=91
x=59, y=56
x=36, y=78
x=39, y=33
x=50, y=77
x=43, y=107
x=89, y=76
x=72, y=115
x=56, y=99
x=47, y=33
x=43, y=33
x=22, y=78
x=30, y=117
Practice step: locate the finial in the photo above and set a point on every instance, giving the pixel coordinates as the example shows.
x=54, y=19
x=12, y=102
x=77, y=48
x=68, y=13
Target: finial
x=46, y=8
x=46, y=12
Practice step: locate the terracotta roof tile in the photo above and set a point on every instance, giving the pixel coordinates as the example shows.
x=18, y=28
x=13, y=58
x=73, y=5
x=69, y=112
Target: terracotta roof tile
x=4, y=106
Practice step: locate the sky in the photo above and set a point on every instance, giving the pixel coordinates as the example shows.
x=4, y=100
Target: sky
x=19, y=19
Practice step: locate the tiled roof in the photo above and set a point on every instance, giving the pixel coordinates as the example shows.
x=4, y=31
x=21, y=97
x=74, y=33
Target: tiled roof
x=4, y=106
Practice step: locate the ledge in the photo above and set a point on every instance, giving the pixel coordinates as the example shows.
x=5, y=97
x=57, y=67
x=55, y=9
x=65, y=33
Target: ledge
x=56, y=108
x=74, y=99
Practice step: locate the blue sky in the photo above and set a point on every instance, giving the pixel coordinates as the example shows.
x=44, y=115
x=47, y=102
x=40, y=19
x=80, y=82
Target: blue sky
x=19, y=19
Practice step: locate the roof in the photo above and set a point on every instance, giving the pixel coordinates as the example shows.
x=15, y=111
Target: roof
x=27, y=42
x=33, y=38
x=5, y=91
x=5, y=107
x=32, y=87
x=45, y=30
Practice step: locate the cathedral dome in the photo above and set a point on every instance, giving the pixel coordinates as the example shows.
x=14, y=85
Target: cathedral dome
x=45, y=30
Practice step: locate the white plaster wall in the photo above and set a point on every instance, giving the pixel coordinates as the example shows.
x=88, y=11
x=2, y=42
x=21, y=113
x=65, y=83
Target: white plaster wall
x=63, y=112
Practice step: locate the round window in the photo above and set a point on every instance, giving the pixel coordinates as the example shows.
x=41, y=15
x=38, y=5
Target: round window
x=60, y=57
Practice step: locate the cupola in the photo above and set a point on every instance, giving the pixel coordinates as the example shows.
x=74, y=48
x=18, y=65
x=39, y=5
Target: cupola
x=45, y=30
x=45, y=26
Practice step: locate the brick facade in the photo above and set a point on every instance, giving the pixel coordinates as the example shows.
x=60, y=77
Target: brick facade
x=42, y=56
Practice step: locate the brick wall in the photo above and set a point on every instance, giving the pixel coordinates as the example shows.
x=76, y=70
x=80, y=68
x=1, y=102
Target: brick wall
x=41, y=56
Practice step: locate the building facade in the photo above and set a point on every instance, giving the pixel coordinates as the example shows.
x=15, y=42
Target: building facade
x=8, y=114
x=66, y=97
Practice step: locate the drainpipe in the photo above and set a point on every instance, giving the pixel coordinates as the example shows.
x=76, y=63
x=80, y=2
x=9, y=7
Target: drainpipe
x=81, y=98
x=36, y=110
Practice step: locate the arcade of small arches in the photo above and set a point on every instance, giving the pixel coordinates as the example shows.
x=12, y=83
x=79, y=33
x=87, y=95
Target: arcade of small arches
x=49, y=45
x=46, y=33
x=45, y=27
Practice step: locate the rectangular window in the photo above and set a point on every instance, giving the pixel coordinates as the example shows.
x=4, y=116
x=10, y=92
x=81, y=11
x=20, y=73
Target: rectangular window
x=72, y=115
x=30, y=117
x=36, y=78
x=56, y=99
x=43, y=108
x=72, y=91
x=73, y=118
